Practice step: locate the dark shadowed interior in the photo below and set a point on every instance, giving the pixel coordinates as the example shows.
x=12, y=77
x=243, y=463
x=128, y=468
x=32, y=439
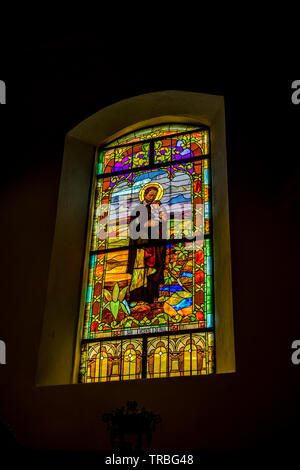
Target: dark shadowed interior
x=255, y=408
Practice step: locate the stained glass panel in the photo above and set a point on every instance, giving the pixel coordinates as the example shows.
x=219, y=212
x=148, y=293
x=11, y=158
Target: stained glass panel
x=184, y=292
x=151, y=133
x=111, y=360
x=123, y=158
x=172, y=149
x=150, y=268
x=179, y=355
x=184, y=199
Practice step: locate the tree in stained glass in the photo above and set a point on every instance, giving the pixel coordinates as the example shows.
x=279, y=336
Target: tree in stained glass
x=150, y=262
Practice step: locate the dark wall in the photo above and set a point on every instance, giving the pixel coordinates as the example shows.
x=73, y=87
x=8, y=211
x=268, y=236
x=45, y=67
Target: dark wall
x=66, y=80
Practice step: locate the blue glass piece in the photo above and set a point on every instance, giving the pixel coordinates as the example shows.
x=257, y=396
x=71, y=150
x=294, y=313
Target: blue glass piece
x=209, y=266
x=183, y=304
x=206, y=176
x=207, y=210
x=92, y=261
x=99, y=168
x=88, y=296
x=187, y=274
x=176, y=288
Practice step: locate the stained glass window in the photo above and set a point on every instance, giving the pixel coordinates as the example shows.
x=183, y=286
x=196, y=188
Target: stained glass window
x=149, y=290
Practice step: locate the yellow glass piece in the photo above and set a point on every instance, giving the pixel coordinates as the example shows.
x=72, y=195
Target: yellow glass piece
x=140, y=273
x=116, y=267
x=192, y=357
x=160, y=362
x=129, y=368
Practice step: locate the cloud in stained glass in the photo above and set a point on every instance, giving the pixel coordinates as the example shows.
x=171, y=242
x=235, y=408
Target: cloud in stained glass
x=176, y=192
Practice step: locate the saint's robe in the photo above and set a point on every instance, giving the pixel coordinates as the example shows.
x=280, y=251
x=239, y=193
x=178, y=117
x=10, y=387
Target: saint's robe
x=145, y=264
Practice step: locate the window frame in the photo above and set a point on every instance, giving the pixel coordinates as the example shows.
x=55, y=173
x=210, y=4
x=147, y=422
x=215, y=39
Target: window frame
x=59, y=351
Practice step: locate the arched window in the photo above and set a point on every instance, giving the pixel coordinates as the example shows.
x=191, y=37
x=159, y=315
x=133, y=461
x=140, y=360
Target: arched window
x=109, y=277
x=149, y=286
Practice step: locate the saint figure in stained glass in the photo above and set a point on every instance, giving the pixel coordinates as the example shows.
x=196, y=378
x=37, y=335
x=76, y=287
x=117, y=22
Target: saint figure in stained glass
x=146, y=263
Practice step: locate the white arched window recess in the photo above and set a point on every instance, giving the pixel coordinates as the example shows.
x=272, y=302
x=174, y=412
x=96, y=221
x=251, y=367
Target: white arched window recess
x=60, y=345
